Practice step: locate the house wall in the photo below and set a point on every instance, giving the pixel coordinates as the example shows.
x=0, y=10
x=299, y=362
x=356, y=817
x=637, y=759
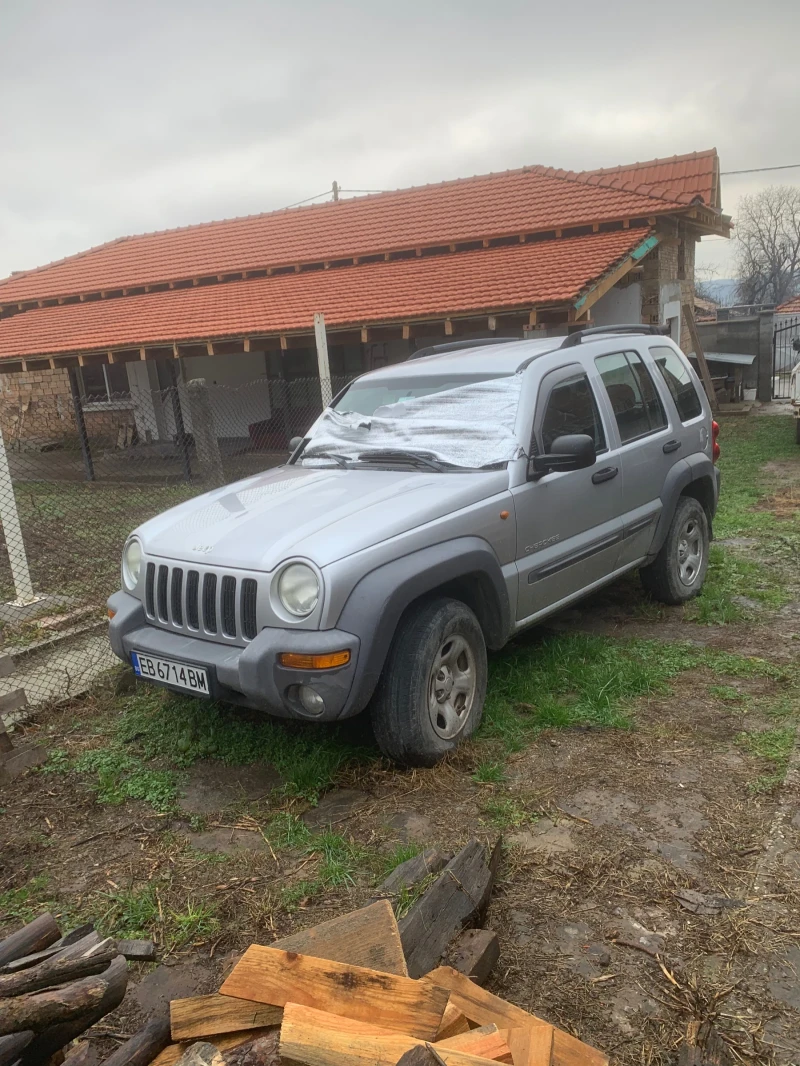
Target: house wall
x=668, y=276
x=620, y=304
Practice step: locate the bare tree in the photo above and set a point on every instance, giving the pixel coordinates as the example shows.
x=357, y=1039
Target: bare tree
x=768, y=245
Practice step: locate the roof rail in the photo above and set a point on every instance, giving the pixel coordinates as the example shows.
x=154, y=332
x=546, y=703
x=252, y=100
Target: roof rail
x=594, y=331
x=454, y=346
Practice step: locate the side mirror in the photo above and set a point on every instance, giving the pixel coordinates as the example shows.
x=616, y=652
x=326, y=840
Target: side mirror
x=573, y=451
x=295, y=443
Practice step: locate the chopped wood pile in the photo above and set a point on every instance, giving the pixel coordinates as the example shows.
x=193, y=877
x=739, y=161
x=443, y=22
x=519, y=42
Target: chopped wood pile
x=54, y=987
x=359, y=990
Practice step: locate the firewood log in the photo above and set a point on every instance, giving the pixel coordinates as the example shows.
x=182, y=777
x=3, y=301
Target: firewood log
x=12, y=1046
x=39, y=1010
x=52, y=972
x=50, y=1040
x=143, y=1046
x=37, y=935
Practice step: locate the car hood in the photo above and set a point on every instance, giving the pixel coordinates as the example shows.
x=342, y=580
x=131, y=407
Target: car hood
x=318, y=514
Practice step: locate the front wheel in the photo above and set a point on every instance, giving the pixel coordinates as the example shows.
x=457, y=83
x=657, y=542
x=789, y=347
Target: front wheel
x=431, y=692
x=678, y=571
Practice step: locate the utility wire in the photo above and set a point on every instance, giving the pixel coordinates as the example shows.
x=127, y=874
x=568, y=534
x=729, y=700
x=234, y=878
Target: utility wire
x=759, y=170
x=308, y=201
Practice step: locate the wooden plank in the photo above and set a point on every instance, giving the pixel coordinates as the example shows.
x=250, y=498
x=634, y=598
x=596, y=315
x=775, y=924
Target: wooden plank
x=700, y=355
x=317, y=1038
x=367, y=937
x=138, y=950
x=270, y=975
x=222, y=1042
x=451, y=903
x=483, y=1007
x=214, y=1014
x=412, y=871
x=13, y=701
x=7, y=665
x=474, y=953
x=487, y=1042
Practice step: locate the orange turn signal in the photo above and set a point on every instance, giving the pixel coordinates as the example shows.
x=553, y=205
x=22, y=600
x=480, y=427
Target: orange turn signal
x=314, y=662
x=110, y=613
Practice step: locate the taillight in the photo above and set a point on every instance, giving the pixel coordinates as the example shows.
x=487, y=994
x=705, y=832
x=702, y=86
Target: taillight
x=715, y=450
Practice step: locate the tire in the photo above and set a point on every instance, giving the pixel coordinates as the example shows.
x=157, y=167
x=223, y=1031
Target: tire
x=414, y=718
x=677, y=573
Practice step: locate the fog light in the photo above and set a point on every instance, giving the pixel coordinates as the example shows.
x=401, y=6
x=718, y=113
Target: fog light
x=311, y=701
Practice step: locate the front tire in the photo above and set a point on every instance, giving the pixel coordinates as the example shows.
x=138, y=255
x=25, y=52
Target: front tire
x=677, y=573
x=431, y=692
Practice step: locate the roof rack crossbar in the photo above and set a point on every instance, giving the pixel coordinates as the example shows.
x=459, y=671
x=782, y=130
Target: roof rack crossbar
x=629, y=327
x=454, y=346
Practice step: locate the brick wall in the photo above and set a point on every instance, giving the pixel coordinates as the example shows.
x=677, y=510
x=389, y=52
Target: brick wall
x=37, y=405
x=672, y=260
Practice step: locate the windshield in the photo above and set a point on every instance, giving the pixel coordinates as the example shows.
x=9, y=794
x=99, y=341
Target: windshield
x=463, y=422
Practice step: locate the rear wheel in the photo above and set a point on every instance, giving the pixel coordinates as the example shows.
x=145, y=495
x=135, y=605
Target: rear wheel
x=431, y=692
x=679, y=570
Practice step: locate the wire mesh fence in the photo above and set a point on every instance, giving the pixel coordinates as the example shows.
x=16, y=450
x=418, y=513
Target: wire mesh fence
x=80, y=467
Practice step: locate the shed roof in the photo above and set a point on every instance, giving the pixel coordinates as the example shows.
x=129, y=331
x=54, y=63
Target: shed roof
x=529, y=200
x=482, y=280
x=791, y=307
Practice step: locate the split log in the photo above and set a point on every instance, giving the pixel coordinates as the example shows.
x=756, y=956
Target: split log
x=38, y=934
x=138, y=950
x=456, y=899
x=224, y=1042
x=209, y=1015
x=25, y=961
x=483, y=1007
x=90, y=944
x=487, y=1042
x=38, y=1010
x=12, y=1046
x=367, y=937
x=316, y=1038
x=201, y=1054
x=453, y=1022
x=52, y=972
x=57, y=1036
x=262, y=1051
x=143, y=1046
x=412, y=871
x=419, y=1055
x=82, y=1055
x=533, y=1046
x=280, y=977
x=474, y=953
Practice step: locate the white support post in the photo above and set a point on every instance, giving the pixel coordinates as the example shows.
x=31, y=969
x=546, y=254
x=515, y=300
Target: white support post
x=13, y=534
x=322, y=358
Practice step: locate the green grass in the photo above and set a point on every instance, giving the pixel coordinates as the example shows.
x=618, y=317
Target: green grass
x=489, y=773
x=505, y=812
x=23, y=904
x=391, y=860
x=138, y=912
x=573, y=679
x=775, y=747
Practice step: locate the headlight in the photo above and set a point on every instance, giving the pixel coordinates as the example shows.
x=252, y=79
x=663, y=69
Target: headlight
x=298, y=589
x=131, y=564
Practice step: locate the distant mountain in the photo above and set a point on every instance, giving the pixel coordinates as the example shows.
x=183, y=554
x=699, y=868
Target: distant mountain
x=721, y=290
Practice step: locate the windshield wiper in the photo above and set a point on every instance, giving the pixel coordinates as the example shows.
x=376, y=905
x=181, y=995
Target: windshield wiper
x=392, y=455
x=340, y=460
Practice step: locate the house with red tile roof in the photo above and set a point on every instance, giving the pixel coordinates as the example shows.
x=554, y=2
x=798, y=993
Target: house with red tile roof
x=534, y=251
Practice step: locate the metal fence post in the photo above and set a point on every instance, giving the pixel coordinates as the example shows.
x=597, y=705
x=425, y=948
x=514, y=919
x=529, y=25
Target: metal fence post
x=13, y=533
x=83, y=436
x=209, y=458
x=766, y=356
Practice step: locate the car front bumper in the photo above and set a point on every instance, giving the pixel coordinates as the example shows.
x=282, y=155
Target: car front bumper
x=250, y=676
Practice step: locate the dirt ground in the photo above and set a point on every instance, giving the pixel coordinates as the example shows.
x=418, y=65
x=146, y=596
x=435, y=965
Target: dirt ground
x=648, y=878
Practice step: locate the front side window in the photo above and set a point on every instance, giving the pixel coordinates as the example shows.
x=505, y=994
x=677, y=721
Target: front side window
x=634, y=400
x=572, y=408
x=679, y=381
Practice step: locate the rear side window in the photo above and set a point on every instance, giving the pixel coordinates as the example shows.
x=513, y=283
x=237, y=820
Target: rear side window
x=572, y=408
x=635, y=402
x=679, y=382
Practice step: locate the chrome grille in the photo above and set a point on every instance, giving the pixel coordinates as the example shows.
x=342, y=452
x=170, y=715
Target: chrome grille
x=201, y=601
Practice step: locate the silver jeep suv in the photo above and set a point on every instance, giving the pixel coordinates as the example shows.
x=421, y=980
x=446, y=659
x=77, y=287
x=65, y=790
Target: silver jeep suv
x=437, y=508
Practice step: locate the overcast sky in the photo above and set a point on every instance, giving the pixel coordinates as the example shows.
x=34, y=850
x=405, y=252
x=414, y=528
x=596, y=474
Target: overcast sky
x=120, y=118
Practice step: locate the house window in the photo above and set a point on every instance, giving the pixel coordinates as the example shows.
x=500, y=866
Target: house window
x=104, y=383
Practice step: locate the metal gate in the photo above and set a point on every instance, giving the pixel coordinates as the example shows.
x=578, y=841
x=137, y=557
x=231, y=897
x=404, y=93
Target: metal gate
x=784, y=356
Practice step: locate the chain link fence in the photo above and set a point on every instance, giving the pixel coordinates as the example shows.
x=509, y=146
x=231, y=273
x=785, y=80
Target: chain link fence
x=80, y=467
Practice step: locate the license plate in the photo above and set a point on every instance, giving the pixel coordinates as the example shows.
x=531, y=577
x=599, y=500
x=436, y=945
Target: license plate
x=192, y=678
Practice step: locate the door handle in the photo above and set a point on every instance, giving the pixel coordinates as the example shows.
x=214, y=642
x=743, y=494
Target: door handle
x=671, y=446
x=605, y=474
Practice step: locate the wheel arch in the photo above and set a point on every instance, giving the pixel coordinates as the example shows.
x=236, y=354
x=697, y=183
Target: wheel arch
x=694, y=477
x=464, y=569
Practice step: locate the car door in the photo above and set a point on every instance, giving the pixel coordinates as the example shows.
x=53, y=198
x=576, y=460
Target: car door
x=648, y=445
x=569, y=523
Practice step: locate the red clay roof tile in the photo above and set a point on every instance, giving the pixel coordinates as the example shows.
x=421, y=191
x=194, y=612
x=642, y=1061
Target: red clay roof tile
x=791, y=307
x=483, y=280
x=494, y=205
